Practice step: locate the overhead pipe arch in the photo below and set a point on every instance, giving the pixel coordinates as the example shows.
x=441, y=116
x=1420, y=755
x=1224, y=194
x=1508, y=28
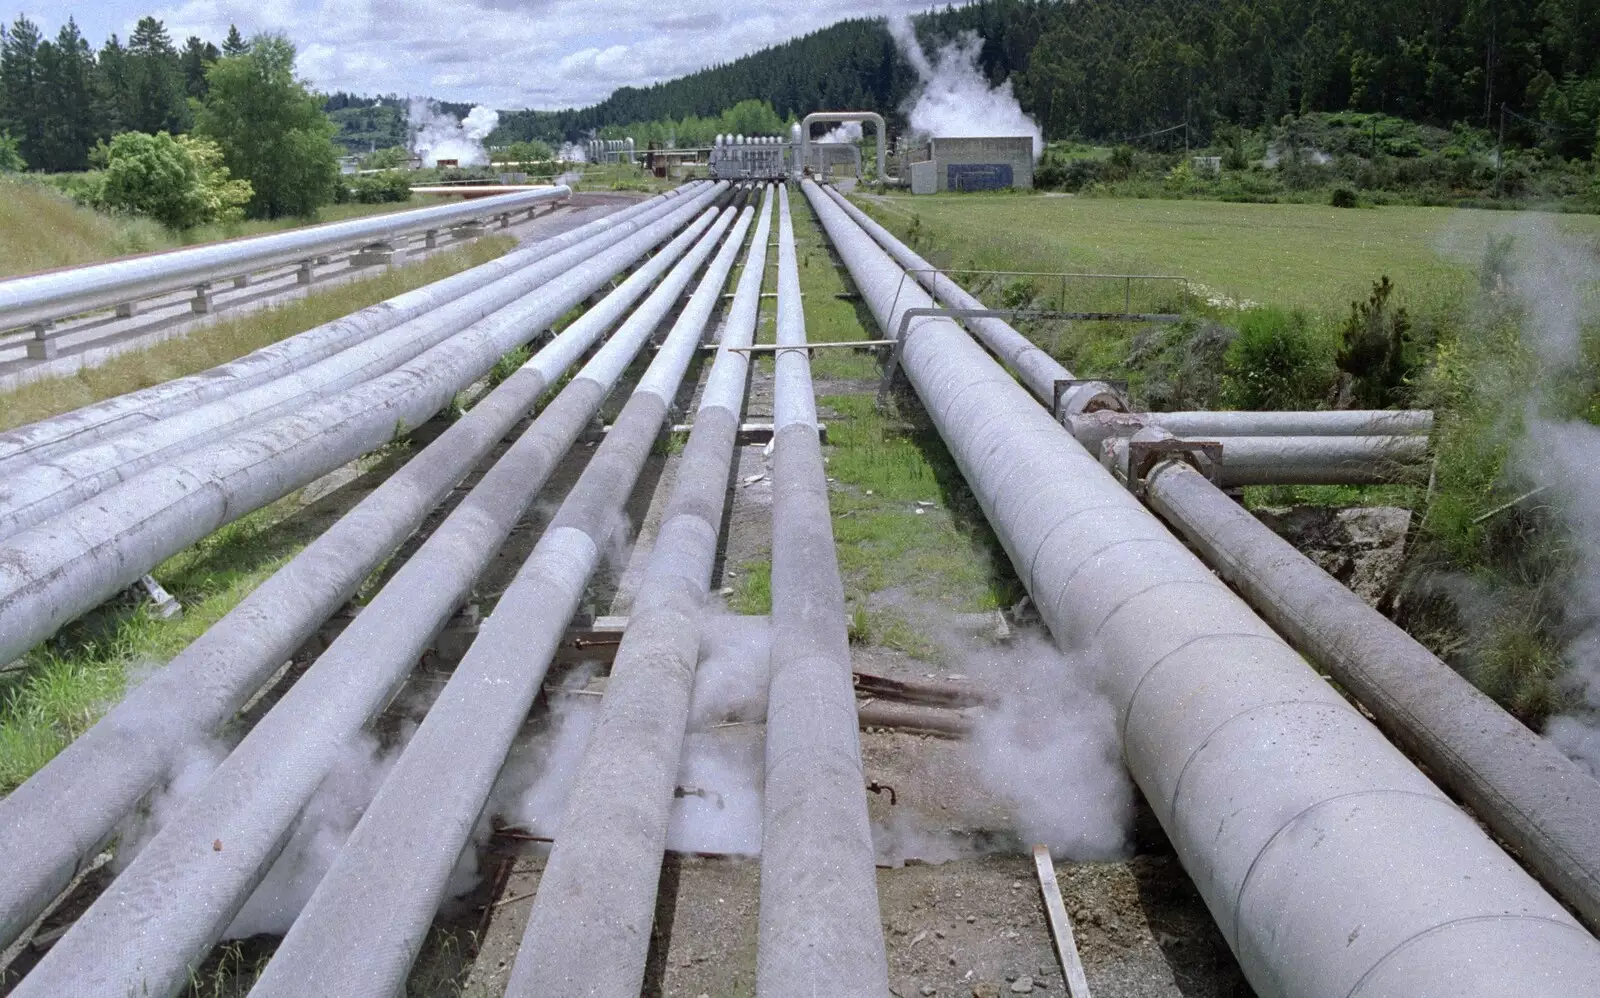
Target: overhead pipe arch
x=873, y=117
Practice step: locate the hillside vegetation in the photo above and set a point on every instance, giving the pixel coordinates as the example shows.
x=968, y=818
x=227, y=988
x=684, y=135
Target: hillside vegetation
x=1119, y=69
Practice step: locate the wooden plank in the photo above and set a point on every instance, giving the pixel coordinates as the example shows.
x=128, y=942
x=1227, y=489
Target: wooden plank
x=1060, y=927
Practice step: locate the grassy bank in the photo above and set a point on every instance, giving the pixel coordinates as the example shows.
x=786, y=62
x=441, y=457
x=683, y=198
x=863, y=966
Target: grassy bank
x=231, y=338
x=40, y=229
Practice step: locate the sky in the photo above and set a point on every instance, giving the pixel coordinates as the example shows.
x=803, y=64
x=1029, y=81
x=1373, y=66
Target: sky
x=504, y=53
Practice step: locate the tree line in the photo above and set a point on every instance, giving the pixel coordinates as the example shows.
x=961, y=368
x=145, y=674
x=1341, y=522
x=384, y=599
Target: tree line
x=1115, y=70
x=185, y=135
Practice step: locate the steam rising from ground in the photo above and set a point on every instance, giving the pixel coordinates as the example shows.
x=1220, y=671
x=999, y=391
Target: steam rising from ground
x=1555, y=280
x=1049, y=747
x=955, y=98
x=436, y=135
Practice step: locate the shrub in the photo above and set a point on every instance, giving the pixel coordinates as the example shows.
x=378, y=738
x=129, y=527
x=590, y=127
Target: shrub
x=1275, y=362
x=1373, y=353
x=1343, y=197
x=388, y=187
x=180, y=182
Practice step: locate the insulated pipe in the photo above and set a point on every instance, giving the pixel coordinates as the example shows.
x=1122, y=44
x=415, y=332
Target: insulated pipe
x=1350, y=423
x=51, y=295
x=1323, y=460
x=872, y=117
x=367, y=919
x=1036, y=369
x=821, y=932
x=51, y=573
x=35, y=493
x=589, y=932
x=1332, y=866
x=60, y=817
x=1526, y=790
x=95, y=422
x=166, y=910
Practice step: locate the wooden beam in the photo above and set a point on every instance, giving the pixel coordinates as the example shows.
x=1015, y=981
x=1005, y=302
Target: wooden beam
x=1060, y=928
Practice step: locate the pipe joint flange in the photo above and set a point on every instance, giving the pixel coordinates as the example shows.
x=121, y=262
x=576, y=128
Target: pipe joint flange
x=1147, y=457
x=1079, y=397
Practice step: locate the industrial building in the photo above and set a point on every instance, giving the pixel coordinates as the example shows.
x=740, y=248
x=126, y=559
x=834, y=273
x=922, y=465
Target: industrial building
x=971, y=164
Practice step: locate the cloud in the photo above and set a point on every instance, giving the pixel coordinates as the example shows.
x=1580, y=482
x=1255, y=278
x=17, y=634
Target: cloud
x=505, y=53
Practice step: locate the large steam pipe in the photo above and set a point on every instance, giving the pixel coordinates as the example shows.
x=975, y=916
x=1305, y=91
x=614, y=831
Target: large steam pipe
x=368, y=917
x=33, y=494
x=1527, y=791
x=167, y=909
x=48, y=296
x=1270, y=786
x=60, y=817
x=1037, y=369
x=589, y=932
x=821, y=932
x=95, y=422
x=1323, y=460
x=1349, y=423
x=875, y=119
x=51, y=573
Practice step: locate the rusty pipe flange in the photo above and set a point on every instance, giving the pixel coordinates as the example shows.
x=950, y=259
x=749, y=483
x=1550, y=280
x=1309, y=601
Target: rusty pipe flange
x=1145, y=457
x=1080, y=396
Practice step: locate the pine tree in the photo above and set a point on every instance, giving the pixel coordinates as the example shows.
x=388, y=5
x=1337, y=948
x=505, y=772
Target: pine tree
x=235, y=43
x=197, y=58
x=66, y=69
x=21, y=103
x=155, y=77
x=114, y=107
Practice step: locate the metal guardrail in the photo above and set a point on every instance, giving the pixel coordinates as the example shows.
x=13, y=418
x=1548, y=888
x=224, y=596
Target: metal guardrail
x=40, y=299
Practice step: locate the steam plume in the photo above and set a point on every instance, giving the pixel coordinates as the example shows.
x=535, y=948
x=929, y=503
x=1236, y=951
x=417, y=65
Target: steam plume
x=955, y=98
x=436, y=135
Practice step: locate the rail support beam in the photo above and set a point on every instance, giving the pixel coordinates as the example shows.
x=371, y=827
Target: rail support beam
x=430, y=239
x=377, y=255
x=305, y=272
x=42, y=346
x=470, y=230
x=127, y=310
x=204, y=300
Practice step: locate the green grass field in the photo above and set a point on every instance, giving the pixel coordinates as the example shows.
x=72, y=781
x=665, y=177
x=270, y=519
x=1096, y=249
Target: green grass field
x=1298, y=256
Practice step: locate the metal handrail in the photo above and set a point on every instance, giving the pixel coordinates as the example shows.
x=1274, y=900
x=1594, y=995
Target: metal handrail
x=43, y=298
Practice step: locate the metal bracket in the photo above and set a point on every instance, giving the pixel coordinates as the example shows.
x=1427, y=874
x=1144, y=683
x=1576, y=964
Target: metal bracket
x=1064, y=385
x=166, y=606
x=1205, y=456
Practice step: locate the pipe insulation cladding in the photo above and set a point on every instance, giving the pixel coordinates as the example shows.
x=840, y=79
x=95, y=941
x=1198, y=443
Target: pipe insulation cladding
x=60, y=817
x=1522, y=786
x=93, y=423
x=55, y=571
x=32, y=494
x=1332, y=866
x=820, y=929
x=589, y=931
x=51, y=295
x=171, y=904
x=368, y=917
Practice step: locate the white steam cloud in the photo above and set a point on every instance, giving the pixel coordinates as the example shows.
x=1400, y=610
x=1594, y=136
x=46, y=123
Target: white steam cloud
x=1556, y=280
x=847, y=131
x=572, y=152
x=1049, y=747
x=436, y=135
x=955, y=98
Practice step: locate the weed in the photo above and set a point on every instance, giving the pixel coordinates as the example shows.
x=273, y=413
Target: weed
x=752, y=591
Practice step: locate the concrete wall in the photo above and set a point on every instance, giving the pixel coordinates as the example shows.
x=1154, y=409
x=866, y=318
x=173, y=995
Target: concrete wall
x=983, y=163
